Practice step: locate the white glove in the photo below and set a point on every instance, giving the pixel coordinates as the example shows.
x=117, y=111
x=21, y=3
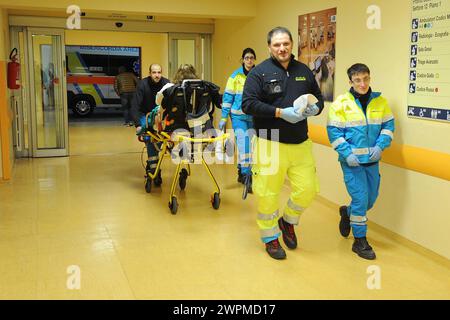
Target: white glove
x=311, y=111
x=352, y=160
x=290, y=115
x=304, y=101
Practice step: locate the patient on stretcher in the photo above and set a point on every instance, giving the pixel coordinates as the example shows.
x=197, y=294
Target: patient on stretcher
x=187, y=104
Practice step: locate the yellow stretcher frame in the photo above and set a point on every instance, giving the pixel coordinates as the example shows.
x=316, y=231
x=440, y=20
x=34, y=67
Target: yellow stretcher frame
x=168, y=143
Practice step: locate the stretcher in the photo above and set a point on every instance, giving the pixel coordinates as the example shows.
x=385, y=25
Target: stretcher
x=182, y=146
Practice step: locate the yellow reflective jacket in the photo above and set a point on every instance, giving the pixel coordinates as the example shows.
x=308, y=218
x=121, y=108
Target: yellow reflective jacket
x=352, y=131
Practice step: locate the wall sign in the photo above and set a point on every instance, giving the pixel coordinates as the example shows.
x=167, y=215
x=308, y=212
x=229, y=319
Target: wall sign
x=429, y=60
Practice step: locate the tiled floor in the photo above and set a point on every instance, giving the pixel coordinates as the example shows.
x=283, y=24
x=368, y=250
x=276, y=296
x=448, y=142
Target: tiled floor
x=91, y=211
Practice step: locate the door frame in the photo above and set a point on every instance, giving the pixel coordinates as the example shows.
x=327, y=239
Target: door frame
x=62, y=123
x=202, y=53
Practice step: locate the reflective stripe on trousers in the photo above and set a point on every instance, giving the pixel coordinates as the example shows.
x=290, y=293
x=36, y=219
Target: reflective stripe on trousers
x=292, y=212
x=362, y=184
x=243, y=133
x=268, y=224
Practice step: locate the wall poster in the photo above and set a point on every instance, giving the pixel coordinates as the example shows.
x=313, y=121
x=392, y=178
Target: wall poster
x=316, y=47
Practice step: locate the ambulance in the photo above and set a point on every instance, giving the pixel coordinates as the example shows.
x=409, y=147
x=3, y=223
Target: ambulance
x=91, y=71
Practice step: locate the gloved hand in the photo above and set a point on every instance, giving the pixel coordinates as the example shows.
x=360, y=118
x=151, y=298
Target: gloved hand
x=302, y=102
x=311, y=110
x=138, y=130
x=289, y=115
x=375, y=153
x=222, y=124
x=352, y=160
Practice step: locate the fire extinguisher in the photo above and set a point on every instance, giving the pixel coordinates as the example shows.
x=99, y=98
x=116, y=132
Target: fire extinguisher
x=13, y=70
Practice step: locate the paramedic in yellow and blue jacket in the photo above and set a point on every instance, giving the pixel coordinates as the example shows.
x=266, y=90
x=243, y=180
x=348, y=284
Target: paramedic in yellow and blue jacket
x=241, y=122
x=360, y=126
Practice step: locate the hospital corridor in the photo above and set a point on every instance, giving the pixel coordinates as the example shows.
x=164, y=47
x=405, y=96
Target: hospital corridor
x=89, y=138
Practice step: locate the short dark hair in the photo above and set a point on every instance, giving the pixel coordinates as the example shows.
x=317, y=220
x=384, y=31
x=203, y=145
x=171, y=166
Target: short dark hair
x=357, y=68
x=248, y=50
x=277, y=30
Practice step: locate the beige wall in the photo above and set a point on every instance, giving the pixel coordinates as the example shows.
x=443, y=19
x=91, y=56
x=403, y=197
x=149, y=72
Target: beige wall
x=4, y=35
x=2, y=61
x=154, y=46
x=6, y=146
x=411, y=204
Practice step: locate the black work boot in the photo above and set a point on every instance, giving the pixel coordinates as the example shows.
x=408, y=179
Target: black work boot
x=344, y=224
x=275, y=250
x=158, y=180
x=247, y=185
x=362, y=248
x=289, y=237
x=240, y=176
x=248, y=181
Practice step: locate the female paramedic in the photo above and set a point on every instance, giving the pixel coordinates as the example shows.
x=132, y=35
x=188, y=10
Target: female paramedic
x=242, y=123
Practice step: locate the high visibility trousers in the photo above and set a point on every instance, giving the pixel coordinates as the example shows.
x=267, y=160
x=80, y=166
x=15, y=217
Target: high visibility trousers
x=272, y=162
x=362, y=184
x=243, y=131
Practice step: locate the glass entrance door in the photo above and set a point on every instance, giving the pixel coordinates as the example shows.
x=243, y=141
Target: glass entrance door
x=49, y=124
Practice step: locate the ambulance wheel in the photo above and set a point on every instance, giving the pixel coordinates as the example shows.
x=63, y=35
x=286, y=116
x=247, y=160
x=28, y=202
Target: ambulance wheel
x=83, y=105
x=183, y=178
x=173, y=205
x=215, y=200
x=148, y=184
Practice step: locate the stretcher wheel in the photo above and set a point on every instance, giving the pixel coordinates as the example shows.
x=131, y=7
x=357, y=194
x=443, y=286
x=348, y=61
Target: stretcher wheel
x=215, y=200
x=173, y=205
x=148, y=184
x=183, y=178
